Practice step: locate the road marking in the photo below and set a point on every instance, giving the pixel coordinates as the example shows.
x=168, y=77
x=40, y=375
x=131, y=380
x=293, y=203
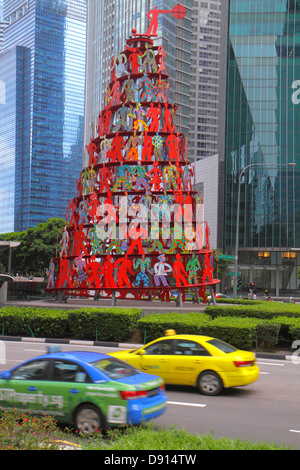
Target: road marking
x=270, y=364
x=198, y=405
x=294, y=430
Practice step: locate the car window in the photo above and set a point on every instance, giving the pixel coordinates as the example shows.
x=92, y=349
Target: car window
x=190, y=348
x=161, y=348
x=115, y=369
x=226, y=348
x=34, y=370
x=65, y=371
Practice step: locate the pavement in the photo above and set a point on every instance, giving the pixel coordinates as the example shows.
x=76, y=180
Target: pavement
x=147, y=308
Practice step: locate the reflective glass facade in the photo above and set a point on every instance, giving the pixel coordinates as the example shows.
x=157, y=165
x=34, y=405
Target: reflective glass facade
x=49, y=109
x=263, y=136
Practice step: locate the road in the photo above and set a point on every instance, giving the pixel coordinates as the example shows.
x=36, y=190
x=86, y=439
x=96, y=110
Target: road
x=268, y=410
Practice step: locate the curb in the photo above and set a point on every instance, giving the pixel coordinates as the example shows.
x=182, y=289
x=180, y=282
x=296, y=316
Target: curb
x=77, y=342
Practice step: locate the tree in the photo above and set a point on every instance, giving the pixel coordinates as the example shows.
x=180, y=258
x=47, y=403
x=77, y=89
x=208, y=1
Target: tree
x=38, y=245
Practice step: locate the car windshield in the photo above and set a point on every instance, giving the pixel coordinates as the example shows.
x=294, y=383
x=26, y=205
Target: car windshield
x=115, y=369
x=226, y=348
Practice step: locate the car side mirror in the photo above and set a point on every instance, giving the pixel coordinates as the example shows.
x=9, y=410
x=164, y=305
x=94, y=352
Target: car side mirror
x=142, y=352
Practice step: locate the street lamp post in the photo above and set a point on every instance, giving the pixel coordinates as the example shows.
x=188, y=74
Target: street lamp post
x=237, y=233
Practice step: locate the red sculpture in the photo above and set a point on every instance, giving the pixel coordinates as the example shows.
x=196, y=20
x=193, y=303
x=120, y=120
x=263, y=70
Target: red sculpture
x=134, y=227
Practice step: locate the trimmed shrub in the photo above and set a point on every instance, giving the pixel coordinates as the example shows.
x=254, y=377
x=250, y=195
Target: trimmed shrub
x=25, y=321
x=115, y=324
x=263, y=310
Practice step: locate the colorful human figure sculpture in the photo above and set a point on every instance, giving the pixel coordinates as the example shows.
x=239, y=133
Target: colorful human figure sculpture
x=119, y=65
x=146, y=89
x=149, y=62
x=158, y=144
x=161, y=270
x=105, y=145
x=121, y=122
x=65, y=242
x=192, y=267
x=51, y=275
x=122, y=181
x=129, y=91
x=95, y=241
x=161, y=88
x=140, y=176
x=170, y=177
x=144, y=264
x=132, y=145
x=124, y=265
x=79, y=241
x=179, y=272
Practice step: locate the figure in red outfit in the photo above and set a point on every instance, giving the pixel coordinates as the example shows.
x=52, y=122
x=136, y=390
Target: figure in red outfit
x=108, y=272
x=153, y=114
x=207, y=270
x=94, y=270
x=157, y=177
x=153, y=17
x=134, y=60
x=124, y=265
x=92, y=148
x=115, y=152
x=93, y=204
x=115, y=93
x=64, y=273
x=179, y=272
x=173, y=142
x=168, y=124
x=104, y=180
x=161, y=59
x=136, y=235
x=104, y=122
x=147, y=147
x=79, y=240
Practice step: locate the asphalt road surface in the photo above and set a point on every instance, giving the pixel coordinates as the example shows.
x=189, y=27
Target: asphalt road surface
x=268, y=410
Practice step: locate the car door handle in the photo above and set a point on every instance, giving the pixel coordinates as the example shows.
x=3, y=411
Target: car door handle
x=32, y=389
x=74, y=391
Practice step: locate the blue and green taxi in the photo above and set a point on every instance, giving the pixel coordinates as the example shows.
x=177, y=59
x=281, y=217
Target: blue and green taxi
x=89, y=390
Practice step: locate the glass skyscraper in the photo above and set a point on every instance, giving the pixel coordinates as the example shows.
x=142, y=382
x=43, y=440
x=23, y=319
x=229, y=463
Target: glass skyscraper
x=42, y=98
x=262, y=139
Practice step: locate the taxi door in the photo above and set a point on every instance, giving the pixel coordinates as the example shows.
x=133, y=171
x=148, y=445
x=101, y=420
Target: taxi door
x=155, y=358
x=189, y=359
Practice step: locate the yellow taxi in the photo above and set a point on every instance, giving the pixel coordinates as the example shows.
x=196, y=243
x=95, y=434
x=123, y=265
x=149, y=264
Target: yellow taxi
x=201, y=361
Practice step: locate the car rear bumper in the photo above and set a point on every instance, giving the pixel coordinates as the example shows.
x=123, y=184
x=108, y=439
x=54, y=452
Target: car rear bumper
x=242, y=376
x=142, y=410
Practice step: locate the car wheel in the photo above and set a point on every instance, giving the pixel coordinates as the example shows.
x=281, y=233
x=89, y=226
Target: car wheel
x=209, y=383
x=88, y=419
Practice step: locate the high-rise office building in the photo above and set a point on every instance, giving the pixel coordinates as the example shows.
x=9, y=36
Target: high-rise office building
x=41, y=109
x=110, y=23
x=262, y=140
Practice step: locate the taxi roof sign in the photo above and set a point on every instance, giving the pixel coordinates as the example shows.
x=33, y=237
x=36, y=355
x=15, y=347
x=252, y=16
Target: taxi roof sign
x=170, y=332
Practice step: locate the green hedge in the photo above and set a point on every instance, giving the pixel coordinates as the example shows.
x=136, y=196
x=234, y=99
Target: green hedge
x=23, y=321
x=263, y=310
x=115, y=324
x=111, y=324
x=240, y=332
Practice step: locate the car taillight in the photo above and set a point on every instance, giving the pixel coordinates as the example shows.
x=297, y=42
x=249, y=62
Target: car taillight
x=132, y=395
x=243, y=363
